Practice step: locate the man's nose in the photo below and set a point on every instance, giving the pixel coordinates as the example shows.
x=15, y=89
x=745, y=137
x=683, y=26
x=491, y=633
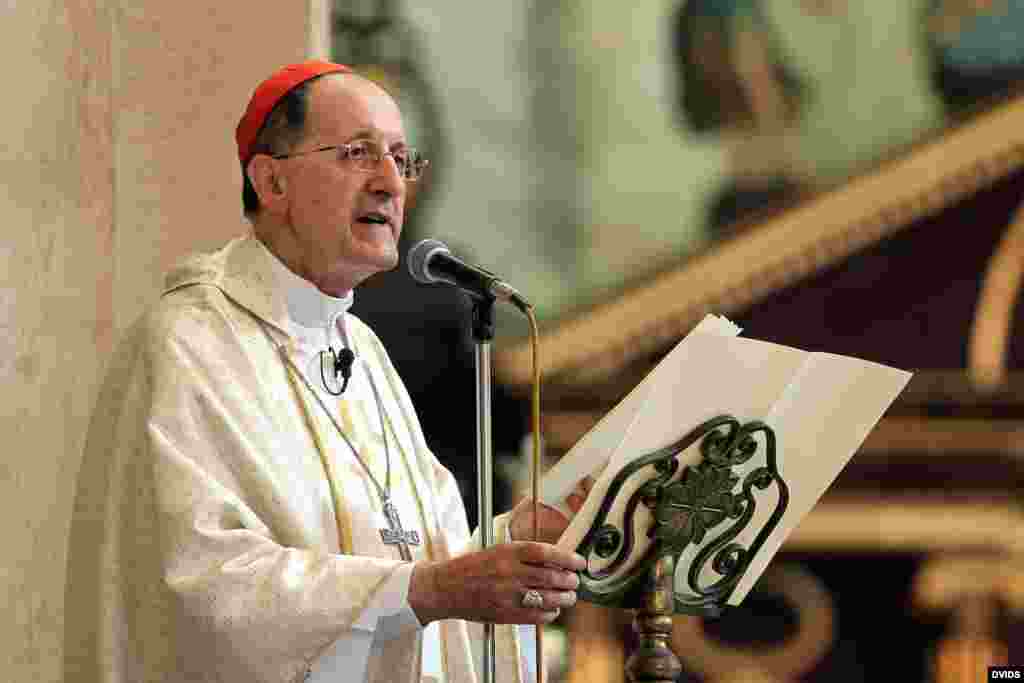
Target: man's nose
x=387, y=178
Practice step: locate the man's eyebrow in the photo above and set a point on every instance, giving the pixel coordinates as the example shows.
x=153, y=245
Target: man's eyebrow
x=374, y=134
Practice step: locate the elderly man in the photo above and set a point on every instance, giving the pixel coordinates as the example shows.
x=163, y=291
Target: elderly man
x=256, y=501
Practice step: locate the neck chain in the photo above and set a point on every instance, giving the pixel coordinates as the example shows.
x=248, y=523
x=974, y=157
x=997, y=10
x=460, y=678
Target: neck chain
x=383, y=492
x=394, y=534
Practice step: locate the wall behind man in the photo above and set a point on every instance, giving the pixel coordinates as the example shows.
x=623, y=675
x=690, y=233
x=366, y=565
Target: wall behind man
x=117, y=157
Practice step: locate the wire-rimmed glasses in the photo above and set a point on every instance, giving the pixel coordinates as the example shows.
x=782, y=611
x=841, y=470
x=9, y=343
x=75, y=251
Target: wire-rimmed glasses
x=366, y=155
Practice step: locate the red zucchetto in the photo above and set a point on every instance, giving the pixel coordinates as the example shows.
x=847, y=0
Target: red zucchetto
x=269, y=93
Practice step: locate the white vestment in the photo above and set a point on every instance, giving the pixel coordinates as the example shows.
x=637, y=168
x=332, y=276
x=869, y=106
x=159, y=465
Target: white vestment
x=213, y=538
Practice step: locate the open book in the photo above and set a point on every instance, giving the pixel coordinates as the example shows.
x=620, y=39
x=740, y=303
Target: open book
x=820, y=408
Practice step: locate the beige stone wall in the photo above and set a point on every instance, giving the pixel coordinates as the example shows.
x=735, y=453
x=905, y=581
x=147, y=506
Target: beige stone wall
x=116, y=158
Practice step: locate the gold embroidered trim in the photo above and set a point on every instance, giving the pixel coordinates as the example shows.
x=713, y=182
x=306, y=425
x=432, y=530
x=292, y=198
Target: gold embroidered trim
x=341, y=517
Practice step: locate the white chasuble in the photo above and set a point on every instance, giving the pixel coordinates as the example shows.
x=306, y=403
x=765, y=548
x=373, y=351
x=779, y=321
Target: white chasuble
x=213, y=539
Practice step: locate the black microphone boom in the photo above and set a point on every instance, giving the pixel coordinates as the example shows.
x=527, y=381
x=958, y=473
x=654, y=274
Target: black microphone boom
x=431, y=262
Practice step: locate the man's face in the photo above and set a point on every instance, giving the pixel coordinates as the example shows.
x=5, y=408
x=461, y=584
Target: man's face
x=345, y=221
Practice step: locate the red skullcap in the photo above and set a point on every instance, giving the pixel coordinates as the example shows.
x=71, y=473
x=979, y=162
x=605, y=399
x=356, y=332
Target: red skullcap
x=269, y=93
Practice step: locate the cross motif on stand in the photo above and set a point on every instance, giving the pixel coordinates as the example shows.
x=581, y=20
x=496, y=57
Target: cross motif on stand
x=395, y=534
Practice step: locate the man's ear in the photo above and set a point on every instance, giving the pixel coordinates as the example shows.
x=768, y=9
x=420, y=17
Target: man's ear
x=269, y=186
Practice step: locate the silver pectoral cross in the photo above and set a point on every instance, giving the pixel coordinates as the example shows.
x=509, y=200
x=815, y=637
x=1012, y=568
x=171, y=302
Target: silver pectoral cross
x=395, y=534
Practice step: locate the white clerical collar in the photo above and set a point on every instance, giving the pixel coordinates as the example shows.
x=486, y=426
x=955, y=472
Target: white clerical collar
x=308, y=307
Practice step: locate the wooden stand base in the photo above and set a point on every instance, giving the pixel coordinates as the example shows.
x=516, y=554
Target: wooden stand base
x=653, y=661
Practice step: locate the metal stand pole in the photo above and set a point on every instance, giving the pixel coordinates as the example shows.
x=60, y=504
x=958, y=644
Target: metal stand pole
x=483, y=334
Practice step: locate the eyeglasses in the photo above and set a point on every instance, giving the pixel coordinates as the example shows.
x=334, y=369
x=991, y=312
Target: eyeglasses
x=367, y=155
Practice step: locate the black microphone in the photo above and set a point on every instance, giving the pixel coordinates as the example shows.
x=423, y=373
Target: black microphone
x=342, y=365
x=431, y=262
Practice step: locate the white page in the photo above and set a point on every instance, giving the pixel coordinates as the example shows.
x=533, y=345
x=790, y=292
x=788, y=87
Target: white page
x=710, y=375
x=820, y=407
x=819, y=423
x=592, y=451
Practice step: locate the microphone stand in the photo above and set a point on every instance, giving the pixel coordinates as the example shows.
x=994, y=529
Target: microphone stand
x=483, y=335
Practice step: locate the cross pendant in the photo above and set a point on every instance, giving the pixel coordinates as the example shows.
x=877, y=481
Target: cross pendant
x=395, y=535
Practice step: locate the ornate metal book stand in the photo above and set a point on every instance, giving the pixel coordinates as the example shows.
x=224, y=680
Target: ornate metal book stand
x=684, y=509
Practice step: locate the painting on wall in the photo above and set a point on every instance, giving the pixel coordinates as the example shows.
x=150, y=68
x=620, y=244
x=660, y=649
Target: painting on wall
x=581, y=147
x=697, y=118
x=807, y=93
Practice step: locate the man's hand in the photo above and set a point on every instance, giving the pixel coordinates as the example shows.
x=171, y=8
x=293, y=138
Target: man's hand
x=489, y=585
x=551, y=522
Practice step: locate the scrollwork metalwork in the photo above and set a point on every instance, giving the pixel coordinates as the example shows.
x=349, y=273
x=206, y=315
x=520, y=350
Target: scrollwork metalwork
x=701, y=501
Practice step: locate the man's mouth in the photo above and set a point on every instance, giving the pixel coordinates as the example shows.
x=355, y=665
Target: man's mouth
x=374, y=218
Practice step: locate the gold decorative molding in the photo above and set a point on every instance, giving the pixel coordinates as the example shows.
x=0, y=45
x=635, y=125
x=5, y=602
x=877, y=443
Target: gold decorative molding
x=908, y=525
x=948, y=580
x=787, y=248
x=956, y=387
x=993, y=319
x=938, y=437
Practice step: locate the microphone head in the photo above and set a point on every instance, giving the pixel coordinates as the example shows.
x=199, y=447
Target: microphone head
x=419, y=260
x=346, y=357
x=343, y=363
